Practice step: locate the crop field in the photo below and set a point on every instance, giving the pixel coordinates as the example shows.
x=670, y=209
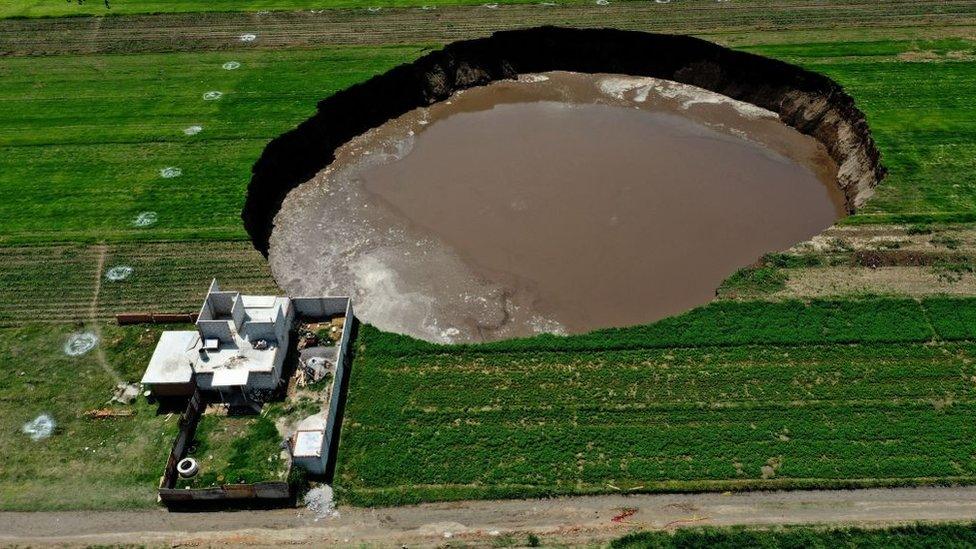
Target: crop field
x=852, y=394
x=822, y=368
x=57, y=283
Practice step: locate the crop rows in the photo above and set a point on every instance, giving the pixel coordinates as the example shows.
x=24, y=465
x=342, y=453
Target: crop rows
x=343, y=27
x=464, y=424
x=57, y=284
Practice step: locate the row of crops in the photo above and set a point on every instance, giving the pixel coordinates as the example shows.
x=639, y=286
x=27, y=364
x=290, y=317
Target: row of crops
x=745, y=408
x=57, y=283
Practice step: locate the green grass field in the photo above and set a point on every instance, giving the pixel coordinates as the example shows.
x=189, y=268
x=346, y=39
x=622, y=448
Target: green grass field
x=87, y=463
x=846, y=391
x=83, y=139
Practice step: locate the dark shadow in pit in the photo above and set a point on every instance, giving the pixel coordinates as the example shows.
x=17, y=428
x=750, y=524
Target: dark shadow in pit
x=811, y=103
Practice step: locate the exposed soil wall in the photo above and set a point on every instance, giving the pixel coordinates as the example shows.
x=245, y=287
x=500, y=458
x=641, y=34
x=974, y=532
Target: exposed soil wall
x=809, y=102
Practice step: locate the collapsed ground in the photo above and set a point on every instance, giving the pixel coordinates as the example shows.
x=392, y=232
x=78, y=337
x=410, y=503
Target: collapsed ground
x=874, y=385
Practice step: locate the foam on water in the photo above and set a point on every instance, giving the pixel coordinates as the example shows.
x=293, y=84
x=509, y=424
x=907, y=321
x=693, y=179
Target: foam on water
x=641, y=88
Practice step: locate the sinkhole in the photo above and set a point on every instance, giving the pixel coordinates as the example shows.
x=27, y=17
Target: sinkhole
x=561, y=201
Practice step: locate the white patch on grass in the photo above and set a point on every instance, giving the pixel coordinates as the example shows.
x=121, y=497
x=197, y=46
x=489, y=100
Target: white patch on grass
x=603, y=2
x=428, y=7
x=145, y=219
x=231, y=65
x=192, y=130
x=119, y=273
x=248, y=37
x=80, y=343
x=39, y=428
x=491, y=6
x=212, y=95
x=169, y=172
x=373, y=9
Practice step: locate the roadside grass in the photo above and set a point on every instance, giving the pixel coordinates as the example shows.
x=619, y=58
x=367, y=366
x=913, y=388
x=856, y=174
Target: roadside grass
x=87, y=463
x=820, y=399
x=907, y=536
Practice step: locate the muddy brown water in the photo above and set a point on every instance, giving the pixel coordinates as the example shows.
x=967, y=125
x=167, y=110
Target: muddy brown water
x=556, y=203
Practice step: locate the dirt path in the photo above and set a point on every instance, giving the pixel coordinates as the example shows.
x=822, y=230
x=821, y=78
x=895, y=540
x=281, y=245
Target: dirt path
x=101, y=250
x=566, y=520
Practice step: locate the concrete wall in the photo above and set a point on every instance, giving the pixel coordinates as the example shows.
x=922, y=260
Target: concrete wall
x=317, y=307
x=337, y=402
x=261, y=330
x=219, y=329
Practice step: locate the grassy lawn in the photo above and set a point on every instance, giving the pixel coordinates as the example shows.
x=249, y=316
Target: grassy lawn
x=236, y=449
x=764, y=398
x=86, y=463
x=920, y=100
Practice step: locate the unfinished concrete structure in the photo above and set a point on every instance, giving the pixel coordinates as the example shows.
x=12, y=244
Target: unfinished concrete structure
x=238, y=349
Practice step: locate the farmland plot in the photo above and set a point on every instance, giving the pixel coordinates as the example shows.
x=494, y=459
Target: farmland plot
x=455, y=423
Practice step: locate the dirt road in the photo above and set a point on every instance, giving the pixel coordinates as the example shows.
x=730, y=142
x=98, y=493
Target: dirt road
x=568, y=520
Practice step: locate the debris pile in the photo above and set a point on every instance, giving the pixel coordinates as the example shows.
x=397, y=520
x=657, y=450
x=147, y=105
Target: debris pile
x=125, y=393
x=320, y=503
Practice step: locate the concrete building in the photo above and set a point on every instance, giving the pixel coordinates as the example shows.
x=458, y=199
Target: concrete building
x=237, y=350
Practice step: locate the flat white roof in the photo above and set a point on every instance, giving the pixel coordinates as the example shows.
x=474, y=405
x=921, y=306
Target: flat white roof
x=225, y=377
x=308, y=443
x=169, y=362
